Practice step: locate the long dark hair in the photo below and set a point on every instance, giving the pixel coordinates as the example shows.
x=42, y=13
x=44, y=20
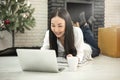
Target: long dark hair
x=69, y=46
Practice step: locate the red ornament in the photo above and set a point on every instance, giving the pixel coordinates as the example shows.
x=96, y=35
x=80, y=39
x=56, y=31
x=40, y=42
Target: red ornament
x=7, y=22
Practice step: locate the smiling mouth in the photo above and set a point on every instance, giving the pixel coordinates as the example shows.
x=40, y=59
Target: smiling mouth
x=57, y=33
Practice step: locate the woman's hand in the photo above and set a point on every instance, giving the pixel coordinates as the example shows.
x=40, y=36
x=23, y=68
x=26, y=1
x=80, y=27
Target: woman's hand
x=69, y=55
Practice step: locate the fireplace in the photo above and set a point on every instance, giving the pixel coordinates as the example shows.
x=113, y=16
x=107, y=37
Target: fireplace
x=75, y=8
x=93, y=8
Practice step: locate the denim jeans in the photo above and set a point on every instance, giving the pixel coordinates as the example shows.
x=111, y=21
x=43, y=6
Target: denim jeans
x=89, y=38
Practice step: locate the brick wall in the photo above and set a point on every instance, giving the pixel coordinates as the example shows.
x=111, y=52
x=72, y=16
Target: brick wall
x=34, y=37
x=5, y=40
x=112, y=12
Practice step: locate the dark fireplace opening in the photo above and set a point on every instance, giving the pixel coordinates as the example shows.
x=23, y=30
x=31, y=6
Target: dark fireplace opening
x=76, y=8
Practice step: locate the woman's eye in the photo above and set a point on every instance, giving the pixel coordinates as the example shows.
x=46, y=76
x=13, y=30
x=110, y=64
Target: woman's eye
x=59, y=26
x=52, y=26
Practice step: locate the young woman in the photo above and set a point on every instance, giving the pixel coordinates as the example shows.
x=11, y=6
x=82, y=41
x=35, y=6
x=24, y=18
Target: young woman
x=65, y=39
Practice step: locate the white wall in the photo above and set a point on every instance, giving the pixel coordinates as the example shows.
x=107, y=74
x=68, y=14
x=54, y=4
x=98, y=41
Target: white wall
x=35, y=36
x=5, y=40
x=112, y=12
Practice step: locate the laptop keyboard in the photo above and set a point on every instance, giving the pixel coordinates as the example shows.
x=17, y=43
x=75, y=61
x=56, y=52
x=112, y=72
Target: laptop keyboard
x=61, y=60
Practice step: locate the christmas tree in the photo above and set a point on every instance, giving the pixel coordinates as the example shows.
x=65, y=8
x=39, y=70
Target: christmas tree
x=16, y=15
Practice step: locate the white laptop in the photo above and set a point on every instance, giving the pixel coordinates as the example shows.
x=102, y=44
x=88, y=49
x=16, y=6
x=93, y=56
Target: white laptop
x=38, y=60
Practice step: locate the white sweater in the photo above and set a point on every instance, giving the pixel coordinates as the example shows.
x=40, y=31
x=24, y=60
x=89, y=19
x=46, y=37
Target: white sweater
x=83, y=50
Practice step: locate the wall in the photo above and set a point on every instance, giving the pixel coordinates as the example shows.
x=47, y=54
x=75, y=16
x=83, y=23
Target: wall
x=5, y=40
x=112, y=12
x=34, y=37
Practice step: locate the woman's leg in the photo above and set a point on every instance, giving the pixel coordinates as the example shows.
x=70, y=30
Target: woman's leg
x=95, y=52
x=89, y=38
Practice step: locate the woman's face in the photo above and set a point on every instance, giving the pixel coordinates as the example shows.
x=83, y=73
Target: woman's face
x=58, y=26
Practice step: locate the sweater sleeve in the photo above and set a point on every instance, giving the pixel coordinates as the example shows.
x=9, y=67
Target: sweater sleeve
x=46, y=41
x=79, y=42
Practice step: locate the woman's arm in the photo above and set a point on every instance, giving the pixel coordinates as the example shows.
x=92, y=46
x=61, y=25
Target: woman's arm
x=79, y=42
x=46, y=41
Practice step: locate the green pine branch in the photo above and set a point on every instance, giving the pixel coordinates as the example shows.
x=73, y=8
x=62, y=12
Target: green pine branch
x=19, y=14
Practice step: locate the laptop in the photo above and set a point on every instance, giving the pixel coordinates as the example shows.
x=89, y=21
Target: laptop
x=38, y=60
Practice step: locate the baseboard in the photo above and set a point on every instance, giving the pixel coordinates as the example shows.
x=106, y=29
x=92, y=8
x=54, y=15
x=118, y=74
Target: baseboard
x=12, y=51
